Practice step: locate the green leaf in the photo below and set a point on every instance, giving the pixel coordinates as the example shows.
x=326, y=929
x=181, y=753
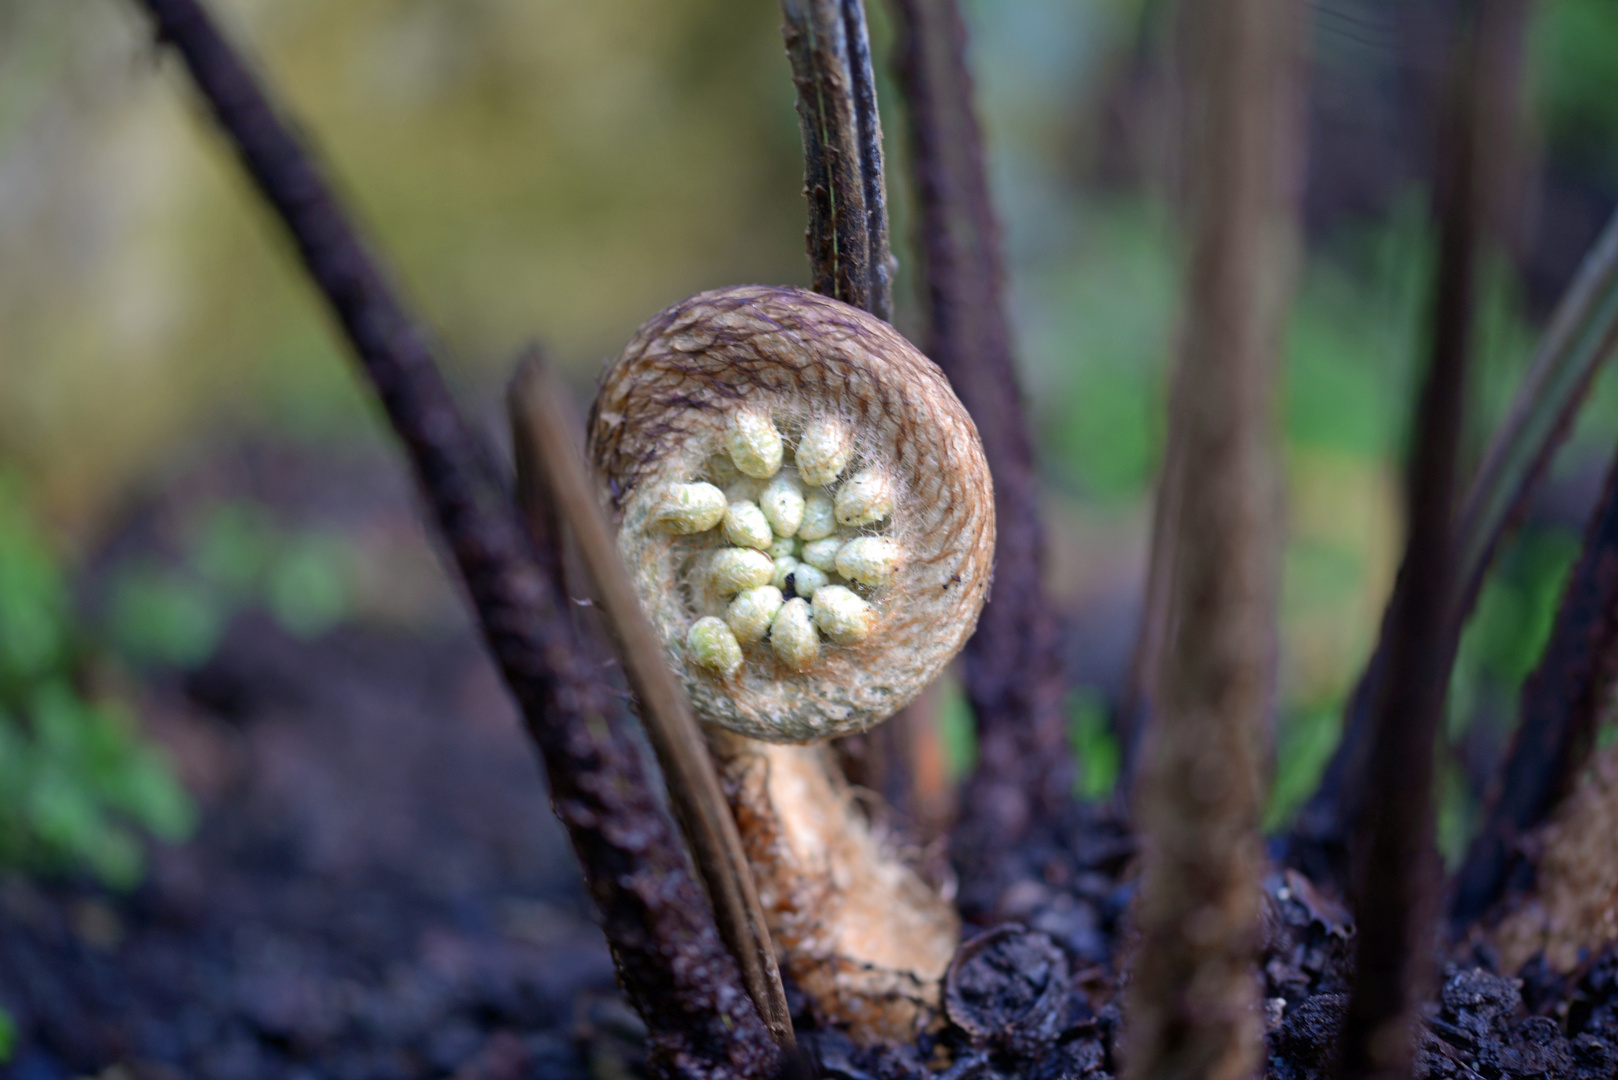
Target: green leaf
x=233, y=546
x=159, y=616
x=957, y=730
x=1094, y=745
x=308, y=586
x=8, y=1036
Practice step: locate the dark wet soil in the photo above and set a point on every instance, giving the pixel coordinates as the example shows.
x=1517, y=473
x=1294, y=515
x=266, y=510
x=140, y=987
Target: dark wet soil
x=378, y=888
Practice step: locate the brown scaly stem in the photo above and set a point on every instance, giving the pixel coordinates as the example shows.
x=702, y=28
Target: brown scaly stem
x=1395, y=864
x=1563, y=702
x=1581, y=331
x=828, y=45
x=830, y=50
x=670, y=959
x=1191, y=1005
x=1013, y=676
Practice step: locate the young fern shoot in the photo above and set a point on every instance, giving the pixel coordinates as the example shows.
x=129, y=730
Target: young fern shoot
x=831, y=433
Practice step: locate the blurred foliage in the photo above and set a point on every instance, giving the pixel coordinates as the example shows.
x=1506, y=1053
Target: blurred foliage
x=534, y=169
x=1578, y=82
x=1094, y=745
x=234, y=556
x=1096, y=273
x=76, y=777
x=956, y=730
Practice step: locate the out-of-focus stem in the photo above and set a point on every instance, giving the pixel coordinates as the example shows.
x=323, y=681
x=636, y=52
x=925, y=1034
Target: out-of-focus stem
x=1191, y=1006
x=1395, y=866
x=1562, y=704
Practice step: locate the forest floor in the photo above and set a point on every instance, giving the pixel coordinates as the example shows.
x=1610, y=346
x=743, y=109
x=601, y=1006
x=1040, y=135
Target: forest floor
x=378, y=889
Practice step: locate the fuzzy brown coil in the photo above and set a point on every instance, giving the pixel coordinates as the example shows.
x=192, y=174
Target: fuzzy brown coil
x=660, y=418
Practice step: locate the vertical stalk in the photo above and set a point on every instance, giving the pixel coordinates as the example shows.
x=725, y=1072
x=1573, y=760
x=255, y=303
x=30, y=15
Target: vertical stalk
x=1012, y=672
x=1191, y=1006
x=555, y=486
x=830, y=49
x=1581, y=333
x=1561, y=708
x=1395, y=863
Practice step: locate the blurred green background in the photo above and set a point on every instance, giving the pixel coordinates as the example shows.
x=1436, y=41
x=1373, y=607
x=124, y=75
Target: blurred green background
x=539, y=170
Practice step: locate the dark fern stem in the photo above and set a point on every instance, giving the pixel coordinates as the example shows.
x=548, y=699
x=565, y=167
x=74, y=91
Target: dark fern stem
x=1012, y=672
x=830, y=50
x=1561, y=709
x=1395, y=872
x=670, y=959
x=1321, y=838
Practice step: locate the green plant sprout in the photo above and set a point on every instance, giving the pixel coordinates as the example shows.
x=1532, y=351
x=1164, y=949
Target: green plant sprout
x=78, y=782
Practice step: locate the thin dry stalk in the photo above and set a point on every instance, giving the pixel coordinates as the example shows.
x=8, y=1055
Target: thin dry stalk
x=1395, y=862
x=1191, y=1009
x=1578, y=339
x=673, y=965
x=554, y=485
x=1012, y=672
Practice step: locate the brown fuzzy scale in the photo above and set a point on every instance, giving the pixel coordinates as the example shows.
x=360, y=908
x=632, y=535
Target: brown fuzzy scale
x=661, y=414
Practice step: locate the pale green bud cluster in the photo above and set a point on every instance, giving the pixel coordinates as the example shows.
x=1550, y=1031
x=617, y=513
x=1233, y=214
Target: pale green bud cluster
x=806, y=578
x=819, y=517
x=714, y=646
x=751, y=613
x=689, y=508
x=866, y=499
x=755, y=446
x=842, y=614
x=823, y=451
x=822, y=553
x=782, y=502
x=736, y=569
x=869, y=560
x=788, y=568
x=746, y=526
x=793, y=635
x=785, y=565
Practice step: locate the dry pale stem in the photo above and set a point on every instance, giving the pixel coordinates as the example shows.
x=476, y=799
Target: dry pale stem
x=1573, y=909
x=858, y=930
